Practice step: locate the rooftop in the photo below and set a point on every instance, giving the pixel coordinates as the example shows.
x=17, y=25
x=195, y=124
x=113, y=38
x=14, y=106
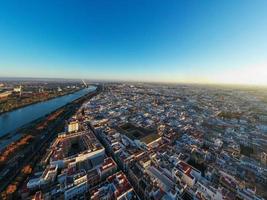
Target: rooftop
x=146, y=135
x=68, y=146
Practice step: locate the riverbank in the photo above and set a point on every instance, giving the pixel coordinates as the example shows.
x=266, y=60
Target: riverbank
x=39, y=101
x=11, y=173
x=11, y=121
x=12, y=136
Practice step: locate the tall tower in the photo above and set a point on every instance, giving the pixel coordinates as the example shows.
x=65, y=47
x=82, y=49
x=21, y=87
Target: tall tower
x=20, y=90
x=84, y=83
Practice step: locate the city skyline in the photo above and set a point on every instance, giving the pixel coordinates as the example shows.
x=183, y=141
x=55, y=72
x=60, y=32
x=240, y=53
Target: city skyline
x=178, y=41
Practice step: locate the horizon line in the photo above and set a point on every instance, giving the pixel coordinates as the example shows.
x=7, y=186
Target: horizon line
x=138, y=81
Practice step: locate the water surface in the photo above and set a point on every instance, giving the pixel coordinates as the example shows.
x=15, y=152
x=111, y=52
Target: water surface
x=11, y=121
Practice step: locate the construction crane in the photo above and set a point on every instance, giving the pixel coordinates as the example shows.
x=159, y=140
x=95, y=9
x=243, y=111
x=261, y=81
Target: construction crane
x=84, y=83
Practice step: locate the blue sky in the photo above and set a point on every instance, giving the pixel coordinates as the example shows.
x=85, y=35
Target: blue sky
x=147, y=40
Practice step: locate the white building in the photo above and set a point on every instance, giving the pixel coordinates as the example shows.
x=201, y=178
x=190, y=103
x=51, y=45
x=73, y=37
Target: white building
x=17, y=89
x=73, y=126
x=48, y=176
x=75, y=186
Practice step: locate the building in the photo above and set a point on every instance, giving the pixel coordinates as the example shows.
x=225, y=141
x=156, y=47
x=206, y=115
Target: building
x=138, y=136
x=116, y=186
x=247, y=194
x=107, y=168
x=206, y=191
x=186, y=173
x=18, y=89
x=73, y=126
x=264, y=158
x=5, y=94
x=70, y=149
x=47, y=177
x=66, y=154
x=75, y=186
x=38, y=196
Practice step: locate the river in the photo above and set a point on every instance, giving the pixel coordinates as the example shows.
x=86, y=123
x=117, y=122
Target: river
x=12, y=120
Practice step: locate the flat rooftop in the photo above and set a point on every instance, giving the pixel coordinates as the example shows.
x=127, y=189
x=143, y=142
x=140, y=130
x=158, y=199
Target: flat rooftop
x=138, y=133
x=71, y=145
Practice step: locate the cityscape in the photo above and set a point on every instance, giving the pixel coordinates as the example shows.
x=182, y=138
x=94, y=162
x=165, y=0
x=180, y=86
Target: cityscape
x=142, y=141
x=133, y=100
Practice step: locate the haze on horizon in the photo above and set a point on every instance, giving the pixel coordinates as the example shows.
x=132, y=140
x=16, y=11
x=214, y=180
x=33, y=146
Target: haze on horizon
x=176, y=41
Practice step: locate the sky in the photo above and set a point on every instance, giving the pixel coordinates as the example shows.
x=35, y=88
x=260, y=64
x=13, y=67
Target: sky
x=196, y=41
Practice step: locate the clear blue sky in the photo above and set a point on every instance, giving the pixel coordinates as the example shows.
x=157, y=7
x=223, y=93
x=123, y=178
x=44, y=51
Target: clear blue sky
x=150, y=40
